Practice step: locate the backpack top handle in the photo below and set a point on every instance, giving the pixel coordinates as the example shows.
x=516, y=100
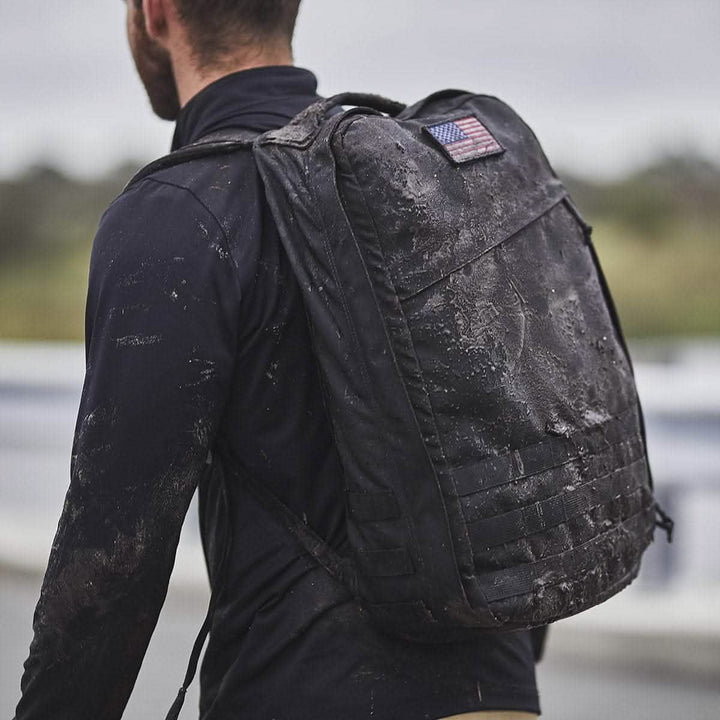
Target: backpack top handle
x=376, y=102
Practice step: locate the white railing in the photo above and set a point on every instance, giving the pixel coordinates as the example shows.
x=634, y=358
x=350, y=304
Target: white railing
x=679, y=384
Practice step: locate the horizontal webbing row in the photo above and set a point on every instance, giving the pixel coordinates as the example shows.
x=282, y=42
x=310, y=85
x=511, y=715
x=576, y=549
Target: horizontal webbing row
x=572, y=563
x=555, y=510
x=552, y=452
x=376, y=507
x=575, y=472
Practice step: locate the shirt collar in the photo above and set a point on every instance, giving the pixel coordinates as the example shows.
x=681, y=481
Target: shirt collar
x=259, y=99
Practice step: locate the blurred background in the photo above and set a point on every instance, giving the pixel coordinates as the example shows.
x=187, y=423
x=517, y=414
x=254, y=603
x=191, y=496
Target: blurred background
x=625, y=99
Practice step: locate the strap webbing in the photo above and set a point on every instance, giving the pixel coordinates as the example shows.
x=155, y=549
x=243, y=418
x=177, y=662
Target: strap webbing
x=575, y=562
x=554, y=511
x=572, y=473
x=176, y=707
x=552, y=452
x=174, y=711
x=217, y=143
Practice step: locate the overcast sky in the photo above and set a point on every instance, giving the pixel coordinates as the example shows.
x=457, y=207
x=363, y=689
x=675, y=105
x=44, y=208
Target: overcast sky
x=606, y=84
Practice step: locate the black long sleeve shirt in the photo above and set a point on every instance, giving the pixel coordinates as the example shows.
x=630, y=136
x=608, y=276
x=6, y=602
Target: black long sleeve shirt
x=197, y=346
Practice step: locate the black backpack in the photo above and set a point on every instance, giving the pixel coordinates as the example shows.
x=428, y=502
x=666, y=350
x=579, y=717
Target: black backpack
x=480, y=390
x=475, y=373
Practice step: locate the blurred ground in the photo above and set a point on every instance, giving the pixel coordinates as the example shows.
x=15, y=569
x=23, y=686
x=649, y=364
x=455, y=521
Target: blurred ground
x=655, y=232
x=652, y=653
x=586, y=675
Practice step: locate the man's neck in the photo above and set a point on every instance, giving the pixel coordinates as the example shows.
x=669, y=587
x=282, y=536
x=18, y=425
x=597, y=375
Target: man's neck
x=191, y=79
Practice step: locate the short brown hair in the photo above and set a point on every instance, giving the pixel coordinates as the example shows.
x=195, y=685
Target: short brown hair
x=218, y=26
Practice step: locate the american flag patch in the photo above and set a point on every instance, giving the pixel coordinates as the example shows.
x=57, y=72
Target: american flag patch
x=465, y=139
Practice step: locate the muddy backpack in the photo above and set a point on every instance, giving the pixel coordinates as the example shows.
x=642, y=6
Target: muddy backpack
x=480, y=392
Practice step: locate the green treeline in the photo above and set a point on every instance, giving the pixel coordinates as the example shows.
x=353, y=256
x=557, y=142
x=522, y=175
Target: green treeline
x=656, y=232
x=47, y=223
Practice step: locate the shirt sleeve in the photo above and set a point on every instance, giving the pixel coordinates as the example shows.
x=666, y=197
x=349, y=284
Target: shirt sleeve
x=161, y=333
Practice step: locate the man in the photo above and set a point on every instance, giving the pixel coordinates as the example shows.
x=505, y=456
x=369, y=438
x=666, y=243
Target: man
x=199, y=373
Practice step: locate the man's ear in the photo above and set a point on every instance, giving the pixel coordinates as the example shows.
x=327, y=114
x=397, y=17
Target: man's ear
x=157, y=14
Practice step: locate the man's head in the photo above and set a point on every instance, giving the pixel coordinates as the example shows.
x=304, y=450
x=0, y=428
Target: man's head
x=219, y=28
x=181, y=45
x=153, y=64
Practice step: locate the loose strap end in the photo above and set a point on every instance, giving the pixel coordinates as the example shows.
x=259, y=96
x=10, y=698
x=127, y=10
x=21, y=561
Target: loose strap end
x=664, y=522
x=174, y=712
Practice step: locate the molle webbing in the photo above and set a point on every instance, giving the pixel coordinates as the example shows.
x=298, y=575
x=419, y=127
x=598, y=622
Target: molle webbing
x=573, y=473
x=556, y=510
x=627, y=537
x=538, y=457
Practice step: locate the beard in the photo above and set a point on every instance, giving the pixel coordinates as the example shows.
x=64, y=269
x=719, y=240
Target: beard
x=153, y=65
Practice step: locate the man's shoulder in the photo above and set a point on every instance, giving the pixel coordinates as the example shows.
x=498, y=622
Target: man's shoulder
x=208, y=209
x=220, y=182
x=208, y=196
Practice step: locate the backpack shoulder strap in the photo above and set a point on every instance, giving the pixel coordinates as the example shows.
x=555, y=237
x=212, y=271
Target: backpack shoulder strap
x=234, y=139
x=223, y=141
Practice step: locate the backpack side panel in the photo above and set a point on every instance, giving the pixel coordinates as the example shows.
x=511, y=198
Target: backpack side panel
x=405, y=565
